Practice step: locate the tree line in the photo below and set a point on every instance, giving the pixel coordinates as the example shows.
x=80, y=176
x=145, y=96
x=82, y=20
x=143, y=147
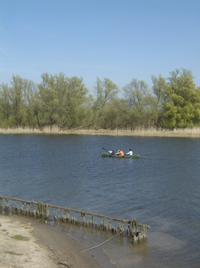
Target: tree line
x=66, y=103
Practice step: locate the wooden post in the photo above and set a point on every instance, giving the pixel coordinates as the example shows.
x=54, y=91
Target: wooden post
x=140, y=237
x=92, y=221
x=121, y=229
x=6, y=207
x=107, y=227
x=12, y=209
x=68, y=217
x=28, y=209
x=132, y=225
x=41, y=209
x=104, y=221
x=133, y=234
x=17, y=210
x=136, y=225
x=46, y=211
x=134, y=239
x=34, y=211
x=128, y=231
x=37, y=210
x=64, y=216
x=101, y=226
x=83, y=218
x=144, y=231
x=22, y=208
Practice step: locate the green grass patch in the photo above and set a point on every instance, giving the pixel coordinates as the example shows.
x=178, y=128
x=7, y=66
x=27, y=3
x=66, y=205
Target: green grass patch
x=12, y=221
x=23, y=223
x=20, y=238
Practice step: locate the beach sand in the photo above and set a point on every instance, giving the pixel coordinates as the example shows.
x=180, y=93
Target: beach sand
x=28, y=243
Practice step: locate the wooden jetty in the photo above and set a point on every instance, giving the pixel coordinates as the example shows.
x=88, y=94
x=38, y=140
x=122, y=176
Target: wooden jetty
x=133, y=229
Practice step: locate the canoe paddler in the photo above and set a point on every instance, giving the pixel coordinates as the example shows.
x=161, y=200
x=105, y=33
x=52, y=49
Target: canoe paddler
x=120, y=153
x=130, y=152
x=111, y=152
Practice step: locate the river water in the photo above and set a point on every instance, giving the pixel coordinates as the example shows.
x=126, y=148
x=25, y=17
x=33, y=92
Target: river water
x=161, y=189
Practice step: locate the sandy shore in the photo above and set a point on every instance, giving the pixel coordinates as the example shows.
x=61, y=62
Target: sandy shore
x=27, y=243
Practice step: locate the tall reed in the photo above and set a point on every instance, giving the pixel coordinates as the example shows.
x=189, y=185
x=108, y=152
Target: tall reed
x=141, y=132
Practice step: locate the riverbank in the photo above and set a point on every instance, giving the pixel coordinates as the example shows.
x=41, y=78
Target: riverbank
x=29, y=243
x=140, y=132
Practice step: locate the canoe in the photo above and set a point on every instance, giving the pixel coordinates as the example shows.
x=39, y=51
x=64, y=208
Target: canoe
x=119, y=156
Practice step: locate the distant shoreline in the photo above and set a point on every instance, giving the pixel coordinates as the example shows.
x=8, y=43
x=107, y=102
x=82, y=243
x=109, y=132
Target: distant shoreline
x=140, y=132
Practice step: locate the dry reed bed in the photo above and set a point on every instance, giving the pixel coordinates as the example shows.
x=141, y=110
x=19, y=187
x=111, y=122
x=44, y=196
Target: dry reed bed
x=141, y=132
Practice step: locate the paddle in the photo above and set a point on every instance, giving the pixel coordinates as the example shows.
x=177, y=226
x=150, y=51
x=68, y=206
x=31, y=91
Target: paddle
x=107, y=150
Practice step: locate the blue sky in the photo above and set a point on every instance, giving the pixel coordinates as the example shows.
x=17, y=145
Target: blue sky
x=117, y=39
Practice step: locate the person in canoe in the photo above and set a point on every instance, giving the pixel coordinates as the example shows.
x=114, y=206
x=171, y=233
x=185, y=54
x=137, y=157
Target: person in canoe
x=120, y=153
x=111, y=152
x=130, y=152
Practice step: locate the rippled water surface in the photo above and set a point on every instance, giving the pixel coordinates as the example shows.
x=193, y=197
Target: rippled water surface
x=161, y=189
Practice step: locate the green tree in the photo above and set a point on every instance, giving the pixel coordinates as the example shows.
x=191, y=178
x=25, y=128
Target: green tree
x=138, y=104
x=181, y=106
x=5, y=106
x=30, y=91
x=106, y=92
x=49, y=95
x=76, y=99
x=61, y=100
x=159, y=89
x=17, y=101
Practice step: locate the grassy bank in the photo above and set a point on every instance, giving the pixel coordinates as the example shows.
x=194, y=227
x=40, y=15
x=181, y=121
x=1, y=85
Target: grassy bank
x=140, y=132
